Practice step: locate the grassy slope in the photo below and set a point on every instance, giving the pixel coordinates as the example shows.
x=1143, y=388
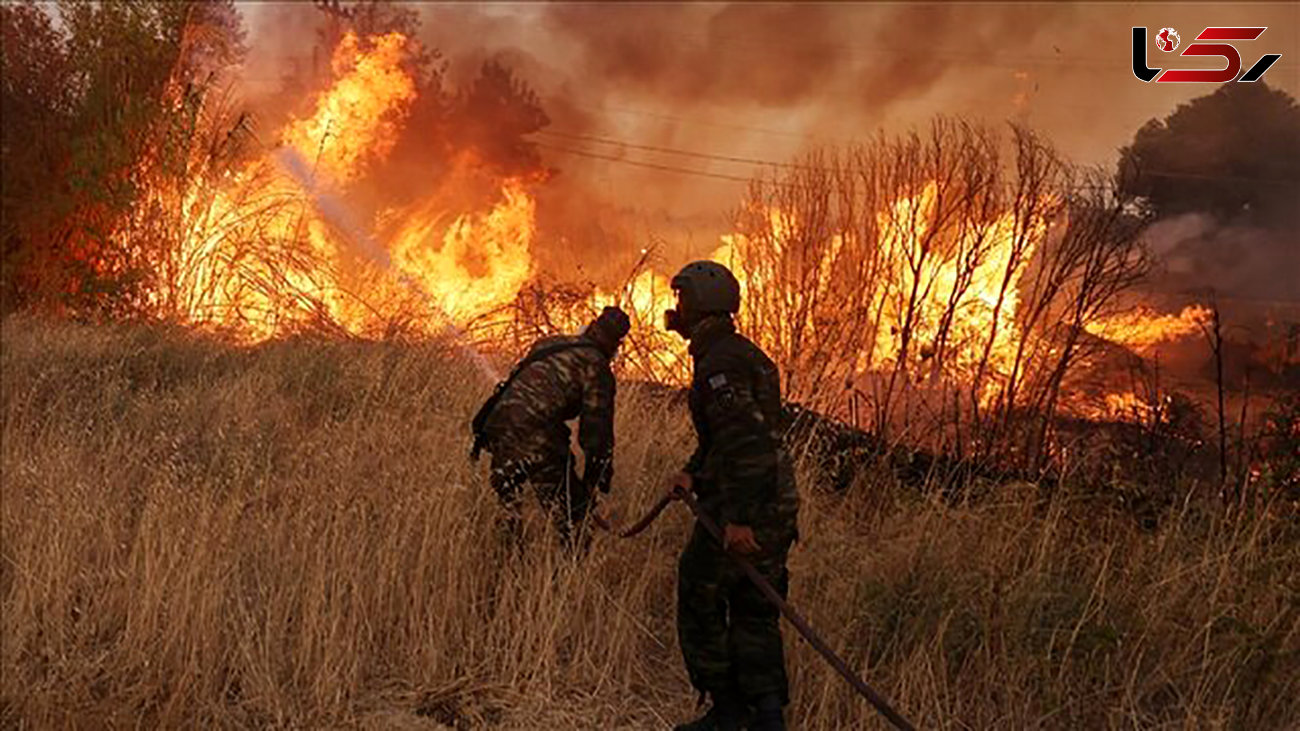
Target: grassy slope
x=291, y=535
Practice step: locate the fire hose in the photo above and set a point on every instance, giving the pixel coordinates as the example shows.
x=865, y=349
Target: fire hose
x=780, y=603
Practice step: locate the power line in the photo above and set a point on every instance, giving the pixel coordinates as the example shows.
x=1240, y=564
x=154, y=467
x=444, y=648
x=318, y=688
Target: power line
x=719, y=176
x=640, y=163
x=795, y=166
x=1209, y=176
x=567, y=101
x=683, y=153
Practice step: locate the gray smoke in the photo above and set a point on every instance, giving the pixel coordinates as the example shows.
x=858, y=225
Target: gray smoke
x=1196, y=254
x=769, y=81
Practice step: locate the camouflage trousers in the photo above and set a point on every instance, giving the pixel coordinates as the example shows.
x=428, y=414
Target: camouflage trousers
x=562, y=493
x=729, y=634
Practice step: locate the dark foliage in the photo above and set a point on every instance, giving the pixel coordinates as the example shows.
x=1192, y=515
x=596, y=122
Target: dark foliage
x=86, y=102
x=1234, y=153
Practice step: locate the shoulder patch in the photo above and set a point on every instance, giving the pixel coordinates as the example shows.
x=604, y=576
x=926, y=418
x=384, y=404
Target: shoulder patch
x=722, y=391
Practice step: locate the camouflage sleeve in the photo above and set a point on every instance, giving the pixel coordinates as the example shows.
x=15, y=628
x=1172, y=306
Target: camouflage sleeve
x=742, y=444
x=596, y=428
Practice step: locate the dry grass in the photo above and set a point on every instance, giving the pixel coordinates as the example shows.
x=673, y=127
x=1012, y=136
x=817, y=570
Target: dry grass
x=195, y=535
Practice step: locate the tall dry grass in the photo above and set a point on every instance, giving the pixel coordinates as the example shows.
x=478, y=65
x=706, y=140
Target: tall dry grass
x=197, y=535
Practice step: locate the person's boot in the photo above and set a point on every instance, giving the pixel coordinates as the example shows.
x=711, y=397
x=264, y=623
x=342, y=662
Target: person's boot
x=768, y=715
x=724, y=715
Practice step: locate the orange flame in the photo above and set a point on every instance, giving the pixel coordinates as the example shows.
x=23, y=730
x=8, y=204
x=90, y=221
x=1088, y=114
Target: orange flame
x=986, y=306
x=1143, y=329
x=358, y=119
x=258, y=258
x=483, y=259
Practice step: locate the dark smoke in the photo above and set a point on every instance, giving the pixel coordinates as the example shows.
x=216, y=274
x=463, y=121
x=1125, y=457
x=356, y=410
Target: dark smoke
x=1198, y=255
x=768, y=81
x=689, y=53
x=764, y=81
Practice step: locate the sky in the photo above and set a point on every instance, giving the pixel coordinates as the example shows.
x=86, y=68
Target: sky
x=767, y=81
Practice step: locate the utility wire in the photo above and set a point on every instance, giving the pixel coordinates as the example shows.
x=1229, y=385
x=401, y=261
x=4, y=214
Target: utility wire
x=795, y=166
x=604, y=109
x=643, y=164
x=675, y=151
x=723, y=176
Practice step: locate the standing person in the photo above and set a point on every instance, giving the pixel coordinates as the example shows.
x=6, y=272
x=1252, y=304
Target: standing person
x=729, y=634
x=523, y=424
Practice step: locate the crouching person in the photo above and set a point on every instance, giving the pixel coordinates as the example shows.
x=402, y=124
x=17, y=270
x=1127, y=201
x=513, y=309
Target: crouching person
x=523, y=425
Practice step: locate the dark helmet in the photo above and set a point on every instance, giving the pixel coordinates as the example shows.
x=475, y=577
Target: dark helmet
x=707, y=287
x=610, y=328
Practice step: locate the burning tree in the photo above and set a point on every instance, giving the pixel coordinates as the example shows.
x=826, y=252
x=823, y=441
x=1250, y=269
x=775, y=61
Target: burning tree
x=943, y=286
x=939, y=279
x=184, y=209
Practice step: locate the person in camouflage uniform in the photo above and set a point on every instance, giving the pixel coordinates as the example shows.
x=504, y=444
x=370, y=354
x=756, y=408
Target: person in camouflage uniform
x=563, y=378
x=729, y=634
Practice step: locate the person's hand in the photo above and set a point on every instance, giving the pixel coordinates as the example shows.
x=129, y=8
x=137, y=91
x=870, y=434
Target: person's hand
x=739, y=539
x=679, y=485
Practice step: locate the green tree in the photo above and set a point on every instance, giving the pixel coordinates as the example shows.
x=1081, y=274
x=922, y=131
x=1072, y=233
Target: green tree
x=88, y=102
x=37, y=99
x=1234, y=153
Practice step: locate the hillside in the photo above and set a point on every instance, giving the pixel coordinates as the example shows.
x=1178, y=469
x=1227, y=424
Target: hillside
x=290, y=535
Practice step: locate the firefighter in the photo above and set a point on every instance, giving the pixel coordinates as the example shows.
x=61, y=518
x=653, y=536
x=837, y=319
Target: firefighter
x=729, y=634
x=523, y=425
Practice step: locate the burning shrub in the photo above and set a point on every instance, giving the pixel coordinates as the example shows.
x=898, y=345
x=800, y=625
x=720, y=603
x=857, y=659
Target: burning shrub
x=177, y=211
x=1144, y=458
x=948, y=286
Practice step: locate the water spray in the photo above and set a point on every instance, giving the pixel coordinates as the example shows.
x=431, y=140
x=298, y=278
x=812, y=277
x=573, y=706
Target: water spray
x=334, y=211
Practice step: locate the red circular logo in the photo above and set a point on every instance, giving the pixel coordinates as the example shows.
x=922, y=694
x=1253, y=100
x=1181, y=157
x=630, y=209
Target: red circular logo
x=1167, y=40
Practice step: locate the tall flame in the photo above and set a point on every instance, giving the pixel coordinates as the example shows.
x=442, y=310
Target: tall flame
x=984, y=305
x=358, y=119
x=479, y=262
x=260, y=256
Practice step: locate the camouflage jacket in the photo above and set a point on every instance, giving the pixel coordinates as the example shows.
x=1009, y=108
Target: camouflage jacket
x=528, y=423
x=741, y=471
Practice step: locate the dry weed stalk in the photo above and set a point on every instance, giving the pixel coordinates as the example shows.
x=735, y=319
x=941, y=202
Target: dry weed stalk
x=199, y=535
